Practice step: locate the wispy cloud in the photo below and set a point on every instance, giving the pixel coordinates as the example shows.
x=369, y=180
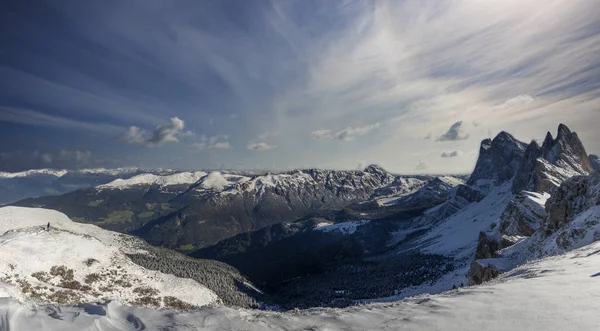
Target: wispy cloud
x=213, y=142
x=517, y=103
x=347, y=134
x=221, y=145
x=35, y=118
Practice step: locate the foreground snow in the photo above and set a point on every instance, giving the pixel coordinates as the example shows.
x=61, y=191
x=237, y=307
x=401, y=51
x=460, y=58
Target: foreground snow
x=75, y=263
x=558, y=293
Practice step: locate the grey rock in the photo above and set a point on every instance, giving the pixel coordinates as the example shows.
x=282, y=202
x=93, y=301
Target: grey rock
x=594, y=161
x=486, y=249
x=499, y=159
x=545, y=167
x=571, y=198
x=469, y=193
x=522, y=217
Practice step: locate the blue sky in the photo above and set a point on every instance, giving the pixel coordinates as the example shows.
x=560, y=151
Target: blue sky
x=411, y=85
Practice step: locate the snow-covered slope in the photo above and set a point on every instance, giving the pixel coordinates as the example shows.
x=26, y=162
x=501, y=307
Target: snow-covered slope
x=559, y=293
x=76, y=263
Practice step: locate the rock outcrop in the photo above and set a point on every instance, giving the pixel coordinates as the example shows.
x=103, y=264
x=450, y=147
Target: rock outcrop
x=594, y=161
x=499, y=159
x=486, y=249
x=571, y=198
x=523, y=215
x=545, y=167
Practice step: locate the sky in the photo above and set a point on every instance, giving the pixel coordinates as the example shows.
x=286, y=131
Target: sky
x=413, y=86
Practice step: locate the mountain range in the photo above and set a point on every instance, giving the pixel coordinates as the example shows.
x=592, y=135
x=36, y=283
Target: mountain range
x=313, y=238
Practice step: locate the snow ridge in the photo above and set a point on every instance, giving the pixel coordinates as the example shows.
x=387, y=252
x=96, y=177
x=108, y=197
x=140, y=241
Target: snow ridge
x=181, y=178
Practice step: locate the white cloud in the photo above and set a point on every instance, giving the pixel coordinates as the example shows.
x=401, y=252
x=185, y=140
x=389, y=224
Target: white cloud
x=221, y=145
x=347, y=134
x=164, y=133
x=454, y=133
x=517, y=103
x=321, y=134
x=260, y=146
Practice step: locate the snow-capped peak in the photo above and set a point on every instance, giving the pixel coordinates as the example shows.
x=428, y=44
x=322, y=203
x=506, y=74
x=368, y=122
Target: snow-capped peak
x=180, y=178
x=34, y=172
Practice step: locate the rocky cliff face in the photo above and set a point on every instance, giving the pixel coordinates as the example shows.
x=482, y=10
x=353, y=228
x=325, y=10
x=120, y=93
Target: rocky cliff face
x=498, y=160
x=540, y=203
x=571, y=198
x=524, y=214
x=594, y=161
x=545, y=167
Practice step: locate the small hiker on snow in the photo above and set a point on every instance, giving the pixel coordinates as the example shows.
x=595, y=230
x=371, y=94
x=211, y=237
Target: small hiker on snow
x=48, y=227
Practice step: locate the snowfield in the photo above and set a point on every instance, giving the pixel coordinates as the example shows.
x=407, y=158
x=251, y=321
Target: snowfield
x=76, y=263
x=557, y=293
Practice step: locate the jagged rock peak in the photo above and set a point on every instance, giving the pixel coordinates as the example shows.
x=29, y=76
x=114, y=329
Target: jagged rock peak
x=558, y=159
x=375, y=169
x=499, y=159
x=504, y=137
x=563, y=131
x=567, y=150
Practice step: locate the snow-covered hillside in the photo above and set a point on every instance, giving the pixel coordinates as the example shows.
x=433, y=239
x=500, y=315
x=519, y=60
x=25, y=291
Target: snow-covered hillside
x=76, y=263
x=558, y=293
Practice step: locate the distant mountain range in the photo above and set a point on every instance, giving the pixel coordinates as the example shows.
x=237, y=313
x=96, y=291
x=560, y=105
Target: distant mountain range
x=334, y=238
